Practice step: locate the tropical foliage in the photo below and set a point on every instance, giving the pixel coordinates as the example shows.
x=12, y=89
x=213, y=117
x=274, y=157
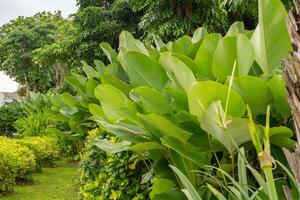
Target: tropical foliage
x=204, y=116
x=184, y=104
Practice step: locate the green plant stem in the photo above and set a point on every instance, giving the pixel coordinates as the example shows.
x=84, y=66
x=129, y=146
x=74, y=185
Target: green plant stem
x=270, y=182
x=217, y=159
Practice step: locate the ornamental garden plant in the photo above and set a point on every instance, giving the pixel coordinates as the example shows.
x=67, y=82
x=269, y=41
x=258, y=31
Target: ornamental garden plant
x=208, y=113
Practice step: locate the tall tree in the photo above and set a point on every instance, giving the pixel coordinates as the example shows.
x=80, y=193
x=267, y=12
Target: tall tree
x=57, y=56
x=18, y=39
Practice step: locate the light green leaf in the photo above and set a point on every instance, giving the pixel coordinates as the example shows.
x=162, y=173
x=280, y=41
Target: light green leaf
x=128, y=43
x=197, y=71
x=160, y=185
x=144, y=71
x=231, y=50
x=270, y=39
x=165, y=127
x=181, y=75
x=255, y=93
x=151, y=100
x=111, y=147
x=199, y=34
x=204, y=93
x=69, y=100
x=204, y=56
x=111, y=100
x=100, y=67
x=182, y=45
x=277, y=87
x=110, y=53
x=229, y=131
x=217, y=194
x=145, y=146
x=235, y=28
x=107, y=78
x=90, y=71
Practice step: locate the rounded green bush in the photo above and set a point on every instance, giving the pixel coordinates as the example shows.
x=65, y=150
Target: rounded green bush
x=16, y=161
x=44, y=148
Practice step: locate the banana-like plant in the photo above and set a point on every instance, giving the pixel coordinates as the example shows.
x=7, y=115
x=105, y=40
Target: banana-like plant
x=184, y=103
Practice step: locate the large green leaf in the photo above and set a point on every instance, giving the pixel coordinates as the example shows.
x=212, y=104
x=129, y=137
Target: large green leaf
x=107, y=78
x=75, y=84
x=204, y=93
x=204, y=56
x=110, y=53
x=188, y=151
x=181, y=75
x=165, y=127
x=111, y=100
x=199, y=34
x=144, y=71
x=230, y=51
x=270, y=39
x=229, y=131
x=192, y=65
x=90, y=71
x=255, y=93
x=182, y=45
x=151, y=100
x=111, y=147
x=128, y=43
x=235, y=28
x=277, y=87
x=145, y=146
x=123, y=131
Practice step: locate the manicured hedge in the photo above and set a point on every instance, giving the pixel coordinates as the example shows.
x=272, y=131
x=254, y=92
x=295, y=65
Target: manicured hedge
x=44, y=148
x=16, y=161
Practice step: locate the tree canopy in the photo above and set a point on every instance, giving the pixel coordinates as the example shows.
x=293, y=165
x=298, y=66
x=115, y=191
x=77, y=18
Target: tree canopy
x=18, y=40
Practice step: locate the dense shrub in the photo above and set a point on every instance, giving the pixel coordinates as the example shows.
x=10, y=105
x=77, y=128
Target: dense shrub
x=44, y=148
x=16, y=161
x=9, y=113
x=108, y=176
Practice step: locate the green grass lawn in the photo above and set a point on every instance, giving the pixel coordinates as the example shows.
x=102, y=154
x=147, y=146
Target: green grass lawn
x=52, y=184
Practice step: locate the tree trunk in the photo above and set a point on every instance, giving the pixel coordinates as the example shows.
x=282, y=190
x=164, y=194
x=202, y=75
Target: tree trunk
x=292, y=78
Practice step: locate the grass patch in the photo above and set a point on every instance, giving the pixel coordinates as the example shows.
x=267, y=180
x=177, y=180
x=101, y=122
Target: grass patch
x=52, y=184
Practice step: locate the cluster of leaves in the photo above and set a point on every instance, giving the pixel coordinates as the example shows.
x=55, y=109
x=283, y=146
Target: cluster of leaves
x=110, y=176
x=44, y=148
x=9, y=113
x=173, y=19
x=184, y=103
x=16, y=161
x=98, y=21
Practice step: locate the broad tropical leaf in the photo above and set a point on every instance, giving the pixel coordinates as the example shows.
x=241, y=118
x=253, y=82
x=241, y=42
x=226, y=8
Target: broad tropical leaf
x=144, y=71
x=270, y=39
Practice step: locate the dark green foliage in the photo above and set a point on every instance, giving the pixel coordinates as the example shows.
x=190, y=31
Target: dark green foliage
x=97, y=3
x=9, y=113
x=109, y=176
x=175, y=18
x=98, y=23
